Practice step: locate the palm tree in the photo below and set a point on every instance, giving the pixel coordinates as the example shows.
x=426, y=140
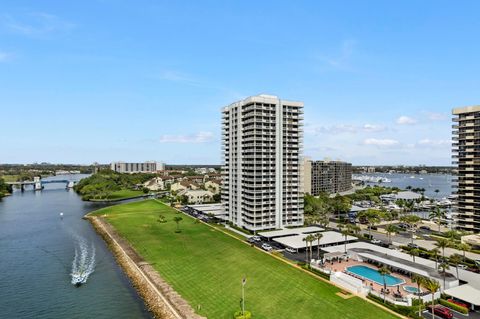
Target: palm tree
x=442, y=244
x=412, y=222
x=435, y=253
x=318, y=236
x=464, y=247
x=414, y=253
x=372, y=216
x=310, y=239
x=390, y=229
x=345, y=233
x=306, y=249
x=177, y=219
x=444, y=266
x=432, y=286
x=456, y=259
x=437, y=214
x=419, y=281
x=384, y=271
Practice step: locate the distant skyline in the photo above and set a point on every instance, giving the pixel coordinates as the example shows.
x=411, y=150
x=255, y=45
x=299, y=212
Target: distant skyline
x=103, y=80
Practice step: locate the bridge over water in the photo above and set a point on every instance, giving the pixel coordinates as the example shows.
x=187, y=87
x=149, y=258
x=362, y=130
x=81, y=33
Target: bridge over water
x=38, y=183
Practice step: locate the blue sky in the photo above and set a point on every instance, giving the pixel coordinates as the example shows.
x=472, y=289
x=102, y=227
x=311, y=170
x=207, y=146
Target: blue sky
x=145, y=80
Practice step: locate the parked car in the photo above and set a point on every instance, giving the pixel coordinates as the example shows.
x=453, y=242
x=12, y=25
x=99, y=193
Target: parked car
x=441, y=311
x=464, y=267
x=256, y=238
x=458, y=303
x=425, y=228
x=251, y=240
x=290, y=250
x=266, y=247
x=413, y=246
x=376, y=241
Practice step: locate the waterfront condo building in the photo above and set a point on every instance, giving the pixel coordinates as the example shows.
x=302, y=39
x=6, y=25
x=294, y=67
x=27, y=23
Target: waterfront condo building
x=327, y=177
x=262, y=184
x=146, y=167
x=466, y=156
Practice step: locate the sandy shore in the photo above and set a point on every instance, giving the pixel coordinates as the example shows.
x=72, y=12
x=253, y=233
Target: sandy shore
x=160, y=298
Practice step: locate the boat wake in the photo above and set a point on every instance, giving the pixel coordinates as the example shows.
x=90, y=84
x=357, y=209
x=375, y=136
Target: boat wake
x=83, y=263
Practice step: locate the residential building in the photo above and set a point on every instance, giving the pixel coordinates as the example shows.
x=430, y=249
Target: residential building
x=466, y=157
x=197, y=196
x=214, y=186
x=184, y=185
x=146, y=167
x=327, y=177
x=159, y=183
x=262, y=142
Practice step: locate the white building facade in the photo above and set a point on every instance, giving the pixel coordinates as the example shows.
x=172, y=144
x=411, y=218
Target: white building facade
x=262, y=175
x=145, y=167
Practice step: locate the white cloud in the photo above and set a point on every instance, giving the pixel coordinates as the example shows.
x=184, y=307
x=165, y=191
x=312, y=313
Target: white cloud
x=374, y=128
x=200, y=137
x=344, y=128
x=434, y=143
x=35, y=23
x=381, y=142
x=405, y=120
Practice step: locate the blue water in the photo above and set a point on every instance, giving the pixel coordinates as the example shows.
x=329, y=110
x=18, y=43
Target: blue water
x=38, y=251
x=430, y=182
x=374, y=275
x=411, y=289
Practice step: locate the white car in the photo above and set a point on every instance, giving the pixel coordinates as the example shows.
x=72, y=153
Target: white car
x=256, y=238
x=376, y=241
x=266, y=247
x=290, y=250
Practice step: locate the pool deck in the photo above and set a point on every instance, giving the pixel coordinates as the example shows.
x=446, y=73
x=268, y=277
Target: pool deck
x=342, y=265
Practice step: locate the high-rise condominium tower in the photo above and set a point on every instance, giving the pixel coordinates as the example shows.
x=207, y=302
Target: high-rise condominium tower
x=466, y=155
x=262, y=184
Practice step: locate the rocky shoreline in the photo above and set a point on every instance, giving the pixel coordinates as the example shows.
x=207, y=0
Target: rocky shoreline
x=160, y=298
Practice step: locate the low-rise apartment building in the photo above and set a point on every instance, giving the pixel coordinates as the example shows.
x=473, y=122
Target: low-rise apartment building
x=145, y=167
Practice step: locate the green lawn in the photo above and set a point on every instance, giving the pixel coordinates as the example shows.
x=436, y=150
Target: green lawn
x=206, y=267
x=10, y=178
x=121, y=194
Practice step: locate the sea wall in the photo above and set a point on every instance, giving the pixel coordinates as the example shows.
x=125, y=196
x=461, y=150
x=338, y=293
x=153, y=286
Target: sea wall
x=160, y=298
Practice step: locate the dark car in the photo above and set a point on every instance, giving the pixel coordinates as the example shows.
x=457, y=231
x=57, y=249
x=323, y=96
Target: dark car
x=441, y=311
x=413, y=246
x=425, y=228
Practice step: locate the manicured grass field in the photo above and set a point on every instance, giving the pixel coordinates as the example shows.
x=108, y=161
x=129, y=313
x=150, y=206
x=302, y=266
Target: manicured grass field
x=206, y=267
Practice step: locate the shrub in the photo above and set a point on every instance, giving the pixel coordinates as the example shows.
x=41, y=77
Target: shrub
x=411, y=312
x=239, y=315
x=316, y=272
x=453, y=306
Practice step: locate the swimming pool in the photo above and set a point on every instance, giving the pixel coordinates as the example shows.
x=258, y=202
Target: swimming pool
x=411, y=289
x=373, y=275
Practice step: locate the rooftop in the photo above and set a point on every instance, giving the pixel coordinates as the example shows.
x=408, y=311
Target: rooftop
x=290, y=231
x=329, y=237
x=466, y=109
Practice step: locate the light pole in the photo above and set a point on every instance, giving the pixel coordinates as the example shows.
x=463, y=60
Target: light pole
x=244, y=281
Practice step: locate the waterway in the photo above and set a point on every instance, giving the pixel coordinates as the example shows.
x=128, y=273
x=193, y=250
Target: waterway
x=430, y=182
x=37, y=250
